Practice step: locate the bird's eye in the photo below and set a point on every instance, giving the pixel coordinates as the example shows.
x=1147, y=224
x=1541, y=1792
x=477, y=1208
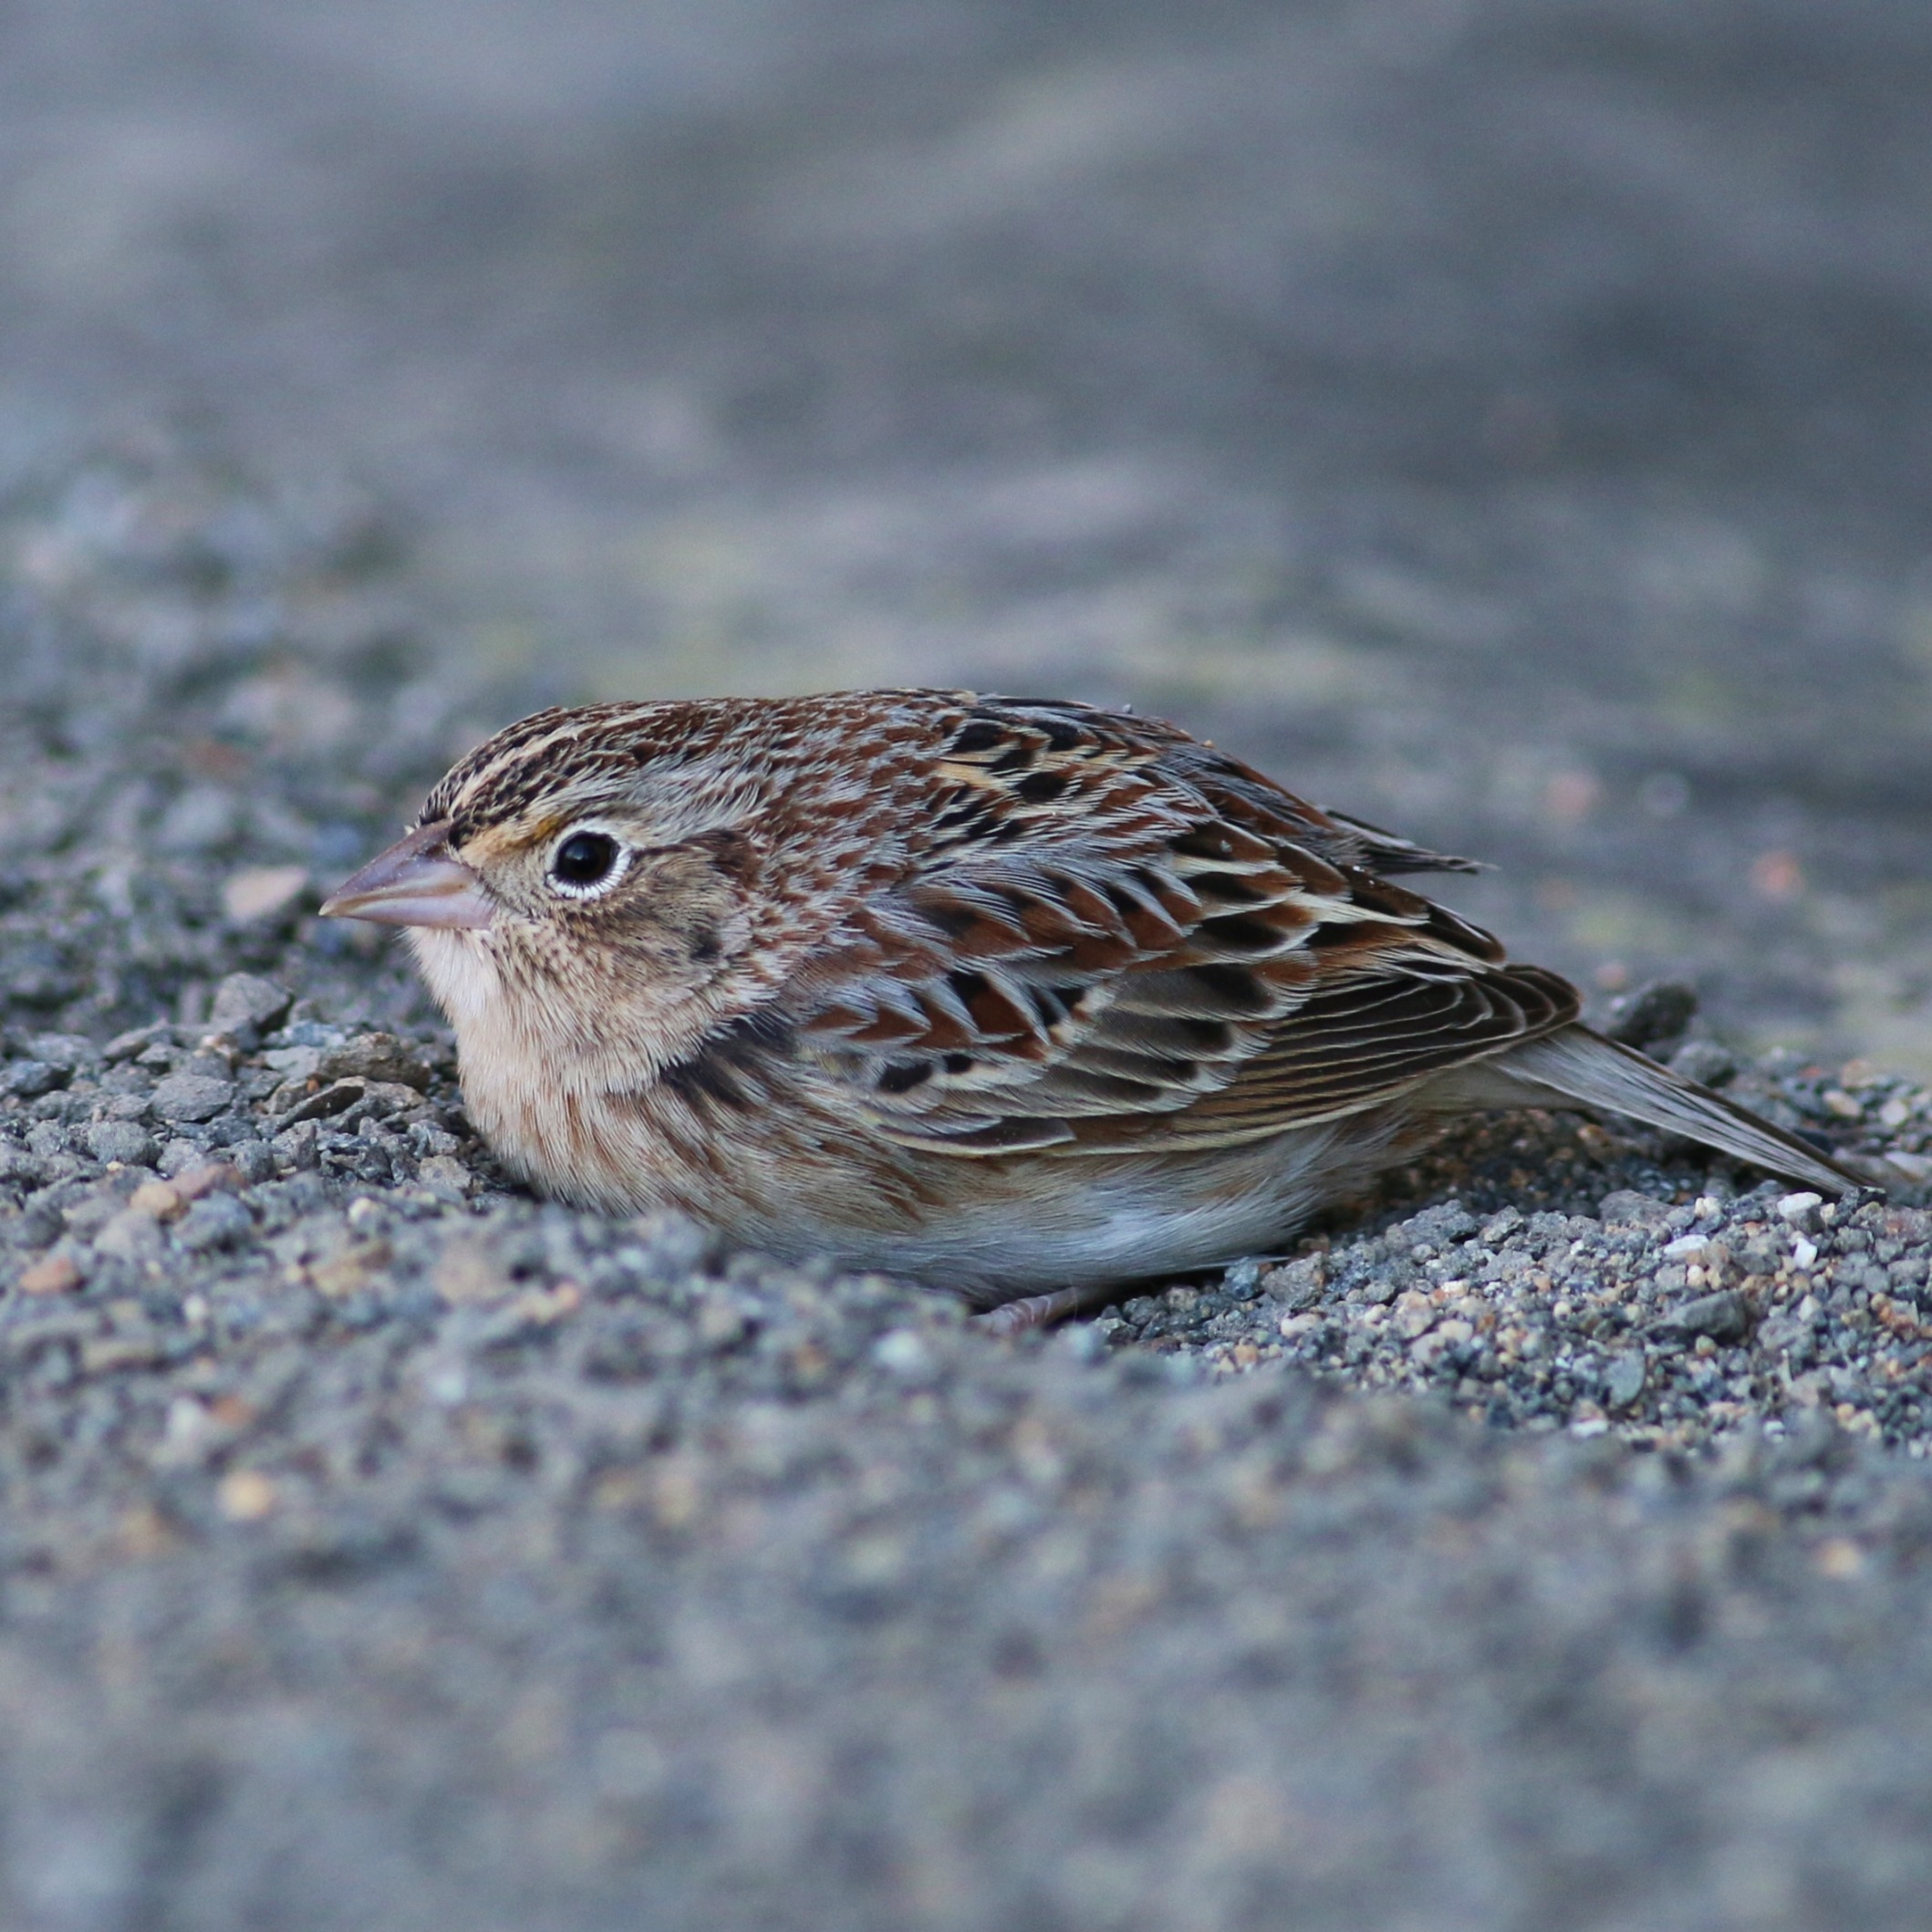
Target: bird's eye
x=586, y=864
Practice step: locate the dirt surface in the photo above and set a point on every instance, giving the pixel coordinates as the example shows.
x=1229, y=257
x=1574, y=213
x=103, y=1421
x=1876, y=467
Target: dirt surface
x=1505, y=421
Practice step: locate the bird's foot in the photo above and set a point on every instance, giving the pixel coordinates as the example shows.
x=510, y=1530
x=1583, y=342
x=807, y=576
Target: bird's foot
x=1035, y=1311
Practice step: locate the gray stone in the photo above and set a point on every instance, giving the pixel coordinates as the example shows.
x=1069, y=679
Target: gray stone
x=246, y=999
x=86, y=1213
x=1787, y=1334
x=1724, y=1316
x=385, y=1099
x=21, y=1167
x=218, y=1221
x=69, y=1051
x=445, y=1177
x=31, y=1079
x=1441, y=1225
x=1297, y=1285
x=179, y=1154
x=296, y=1147
x=120, y=1140
x=1705, y=1062
x=1243, y=1281
x=375, y=1056
x=336, y=1098
x=252, y=1157
x=136, y=1041
x=192, y=1096
x=39, y=1223
x=1802, y=1210
x=203, y=816
x=1624, y=1378
x=1625, y=1208
x=1653, y=1015
x=129, y=1235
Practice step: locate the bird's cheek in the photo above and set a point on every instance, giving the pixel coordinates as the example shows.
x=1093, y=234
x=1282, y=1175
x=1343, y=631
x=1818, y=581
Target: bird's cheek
x=714, y=941
x=683, y=937
x=460, y=969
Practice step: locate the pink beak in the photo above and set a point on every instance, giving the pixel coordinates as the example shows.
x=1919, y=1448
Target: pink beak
x=417, y=882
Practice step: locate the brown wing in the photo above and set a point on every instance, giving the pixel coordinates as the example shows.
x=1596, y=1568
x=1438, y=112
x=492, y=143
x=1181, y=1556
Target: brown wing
x=1109, y=935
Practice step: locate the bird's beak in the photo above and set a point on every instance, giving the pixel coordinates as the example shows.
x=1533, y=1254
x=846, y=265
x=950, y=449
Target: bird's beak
x=417, y=882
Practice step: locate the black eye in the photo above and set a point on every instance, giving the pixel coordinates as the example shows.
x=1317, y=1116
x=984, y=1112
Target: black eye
x=585, y=860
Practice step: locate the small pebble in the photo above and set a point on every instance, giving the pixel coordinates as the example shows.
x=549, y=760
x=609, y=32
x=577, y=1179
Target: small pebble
x=904, y=1353
x=31, y=1079
x=259, y=892
x=1623, y=1381
x=193, y=1182
x=160, y=1199
x=190, y=1099
x=246, y=999
x=1705, y=1062
x=219, y=1221
x=1653, y=1015
x=122, y=1141
x=52, y=1274
x=245, y=1496
x=375, y=1057
x=1724, y=1316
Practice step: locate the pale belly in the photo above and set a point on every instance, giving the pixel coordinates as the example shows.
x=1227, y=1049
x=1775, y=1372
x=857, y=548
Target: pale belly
x=1074, y=1222
x=989, y=1230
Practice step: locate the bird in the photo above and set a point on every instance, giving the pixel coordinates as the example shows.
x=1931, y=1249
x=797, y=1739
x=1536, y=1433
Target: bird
x=1021, y=997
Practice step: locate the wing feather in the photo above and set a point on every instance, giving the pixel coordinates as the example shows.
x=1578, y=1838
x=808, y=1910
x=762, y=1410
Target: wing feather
x=1111, y=936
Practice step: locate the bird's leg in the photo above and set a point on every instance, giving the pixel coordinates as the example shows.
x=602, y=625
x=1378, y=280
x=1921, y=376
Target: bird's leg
x=1039, y=1311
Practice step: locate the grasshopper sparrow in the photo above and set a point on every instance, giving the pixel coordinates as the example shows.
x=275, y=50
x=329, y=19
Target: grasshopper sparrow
x=1017, y=996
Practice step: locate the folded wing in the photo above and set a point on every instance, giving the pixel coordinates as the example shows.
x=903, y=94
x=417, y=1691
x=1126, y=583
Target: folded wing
x=1111, y=936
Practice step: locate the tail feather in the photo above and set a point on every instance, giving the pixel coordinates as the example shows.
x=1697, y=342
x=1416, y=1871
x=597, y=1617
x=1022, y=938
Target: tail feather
x=1578, y=1068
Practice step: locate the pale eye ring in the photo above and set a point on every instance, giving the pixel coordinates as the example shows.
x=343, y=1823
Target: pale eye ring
x=587, y=863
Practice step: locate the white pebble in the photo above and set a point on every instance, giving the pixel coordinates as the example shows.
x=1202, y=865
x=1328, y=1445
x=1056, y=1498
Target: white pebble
x=902, y=1354
x=1796, y=1207
x=447, y=1385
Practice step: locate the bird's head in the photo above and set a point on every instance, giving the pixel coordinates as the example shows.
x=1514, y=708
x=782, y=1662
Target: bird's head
x=583, y=882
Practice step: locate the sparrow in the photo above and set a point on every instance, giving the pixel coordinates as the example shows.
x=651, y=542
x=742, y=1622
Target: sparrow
x=1016, y=996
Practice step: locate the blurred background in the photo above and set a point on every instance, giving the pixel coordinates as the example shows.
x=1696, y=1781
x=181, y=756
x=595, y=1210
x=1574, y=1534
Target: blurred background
x=1507, y=419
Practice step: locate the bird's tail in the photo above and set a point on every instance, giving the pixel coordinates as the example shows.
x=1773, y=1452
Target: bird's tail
x=1576, y=1067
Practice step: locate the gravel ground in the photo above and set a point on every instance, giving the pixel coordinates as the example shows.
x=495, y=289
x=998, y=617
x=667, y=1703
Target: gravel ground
x=1503, y=418
x=1543, y=1545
